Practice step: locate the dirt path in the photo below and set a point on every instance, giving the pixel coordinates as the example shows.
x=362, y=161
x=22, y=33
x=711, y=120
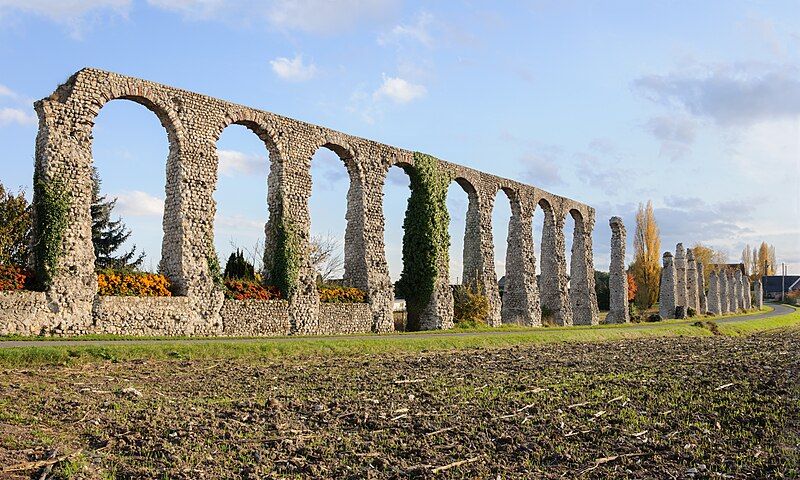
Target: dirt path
x=778, y=310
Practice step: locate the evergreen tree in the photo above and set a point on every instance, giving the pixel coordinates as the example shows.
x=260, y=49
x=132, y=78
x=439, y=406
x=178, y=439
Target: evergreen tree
x=238, y=268
x=109, y=235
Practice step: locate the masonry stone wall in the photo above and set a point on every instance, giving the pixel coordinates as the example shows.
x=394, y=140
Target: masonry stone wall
x=681, y=286
x=758, y=295
x=701, y=287
x=193, y=124
x=667, y=295
x=617, y=277
x=714, y=300
x=724, y=292
x=692, y=289
x=25, y=313
x=253, y=318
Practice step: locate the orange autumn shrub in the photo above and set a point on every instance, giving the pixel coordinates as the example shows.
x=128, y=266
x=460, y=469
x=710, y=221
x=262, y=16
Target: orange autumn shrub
x=632, y=288
x=249, y=290
x=338, y=294
x=133, y=284
x=13, y=277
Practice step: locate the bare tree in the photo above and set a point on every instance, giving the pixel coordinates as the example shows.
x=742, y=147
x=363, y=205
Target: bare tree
x=326, y=255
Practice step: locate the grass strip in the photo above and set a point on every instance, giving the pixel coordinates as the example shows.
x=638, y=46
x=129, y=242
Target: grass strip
x=367, y=345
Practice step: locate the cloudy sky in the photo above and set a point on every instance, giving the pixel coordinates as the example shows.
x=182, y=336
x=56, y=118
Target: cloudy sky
x=693, y=105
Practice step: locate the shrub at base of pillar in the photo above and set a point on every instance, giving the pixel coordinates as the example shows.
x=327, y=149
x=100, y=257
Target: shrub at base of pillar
x=666, y=296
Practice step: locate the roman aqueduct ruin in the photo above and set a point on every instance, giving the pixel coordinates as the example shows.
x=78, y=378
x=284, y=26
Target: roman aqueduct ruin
x=193, y=123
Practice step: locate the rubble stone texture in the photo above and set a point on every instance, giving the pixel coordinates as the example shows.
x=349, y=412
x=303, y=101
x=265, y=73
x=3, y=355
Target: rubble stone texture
x=666, y=295
x=193, y=124
x=724, y=292
x=735, y=284
x=617, y=277
x=692, y=294
x=748, y=299
x=714, y=303
x=680, y=275
x=758, y=295
x=701, y=287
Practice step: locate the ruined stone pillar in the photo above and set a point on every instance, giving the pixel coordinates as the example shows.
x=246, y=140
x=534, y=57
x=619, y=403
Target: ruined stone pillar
x=617, y=277
x=521, y=293
x=724, y=292
x=479, y=251
x=758, y=294
x=735, y=284
x=583, y=297
x=553, y=280
x=680, y=276
x=666, y=295
x=692, y=294
x=748, y=301
x=367, y=268
x=714, y=300
x=701, y=288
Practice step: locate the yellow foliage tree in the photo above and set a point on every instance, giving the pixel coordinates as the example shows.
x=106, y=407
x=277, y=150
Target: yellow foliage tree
x=646, y=266
x=766, y=260
x=709, y=257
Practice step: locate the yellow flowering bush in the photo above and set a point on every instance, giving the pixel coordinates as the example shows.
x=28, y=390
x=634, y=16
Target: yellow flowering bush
x=133, y=284
x=337, y=294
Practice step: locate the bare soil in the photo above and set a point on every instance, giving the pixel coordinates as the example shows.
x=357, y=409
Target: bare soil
x=711, y=407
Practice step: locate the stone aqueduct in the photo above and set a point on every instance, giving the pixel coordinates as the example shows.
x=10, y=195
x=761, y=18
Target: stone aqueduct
x=193, y=123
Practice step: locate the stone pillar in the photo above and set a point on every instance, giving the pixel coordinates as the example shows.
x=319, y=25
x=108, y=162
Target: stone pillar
x=714, y=301
x=701, y=288
x=666, y=295
x=583, y=297
x=680, y=275
x=479, y=250
x=617, y=277
x=724, y=292
x=521, y=293
x=748, y=300
x=735, y=284
x=553, y=281
x=377, y=282
x=758, y=294
x=692, y=294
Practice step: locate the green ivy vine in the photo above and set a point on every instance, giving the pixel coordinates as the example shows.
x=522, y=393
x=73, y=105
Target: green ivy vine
x=425, y=240
x=214, y=269
x=51, y=205
x=283, y=264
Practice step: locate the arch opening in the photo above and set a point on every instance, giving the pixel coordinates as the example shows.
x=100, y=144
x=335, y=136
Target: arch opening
x=241, y=195
x=461, y=201
x=128, y=199
x=396, y=195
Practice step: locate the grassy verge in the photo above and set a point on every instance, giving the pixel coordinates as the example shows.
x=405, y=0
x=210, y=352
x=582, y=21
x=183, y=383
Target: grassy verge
x=370, y=345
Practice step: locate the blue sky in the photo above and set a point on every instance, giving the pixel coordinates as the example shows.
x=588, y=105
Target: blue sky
x=694, y=105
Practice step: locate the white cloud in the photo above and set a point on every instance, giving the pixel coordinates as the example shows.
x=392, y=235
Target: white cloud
x=419, y=32
x=16, y=115
x=237, y=223
x=73, y=13
x=6, y=92
x=675, y=132
x=136, y=203
x=293, y=70
x=729, y=94
x=399, y=90
x=232, y=162
x=194, y=9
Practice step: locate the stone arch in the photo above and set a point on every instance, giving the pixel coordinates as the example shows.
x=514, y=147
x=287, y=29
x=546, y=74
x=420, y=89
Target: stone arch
x=553, y=275
x=356, y=268
x=170, y=253
x=470, y=251
x=254, y=124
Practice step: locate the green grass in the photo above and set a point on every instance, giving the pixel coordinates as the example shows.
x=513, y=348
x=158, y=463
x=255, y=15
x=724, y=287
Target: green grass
x=371, y=344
